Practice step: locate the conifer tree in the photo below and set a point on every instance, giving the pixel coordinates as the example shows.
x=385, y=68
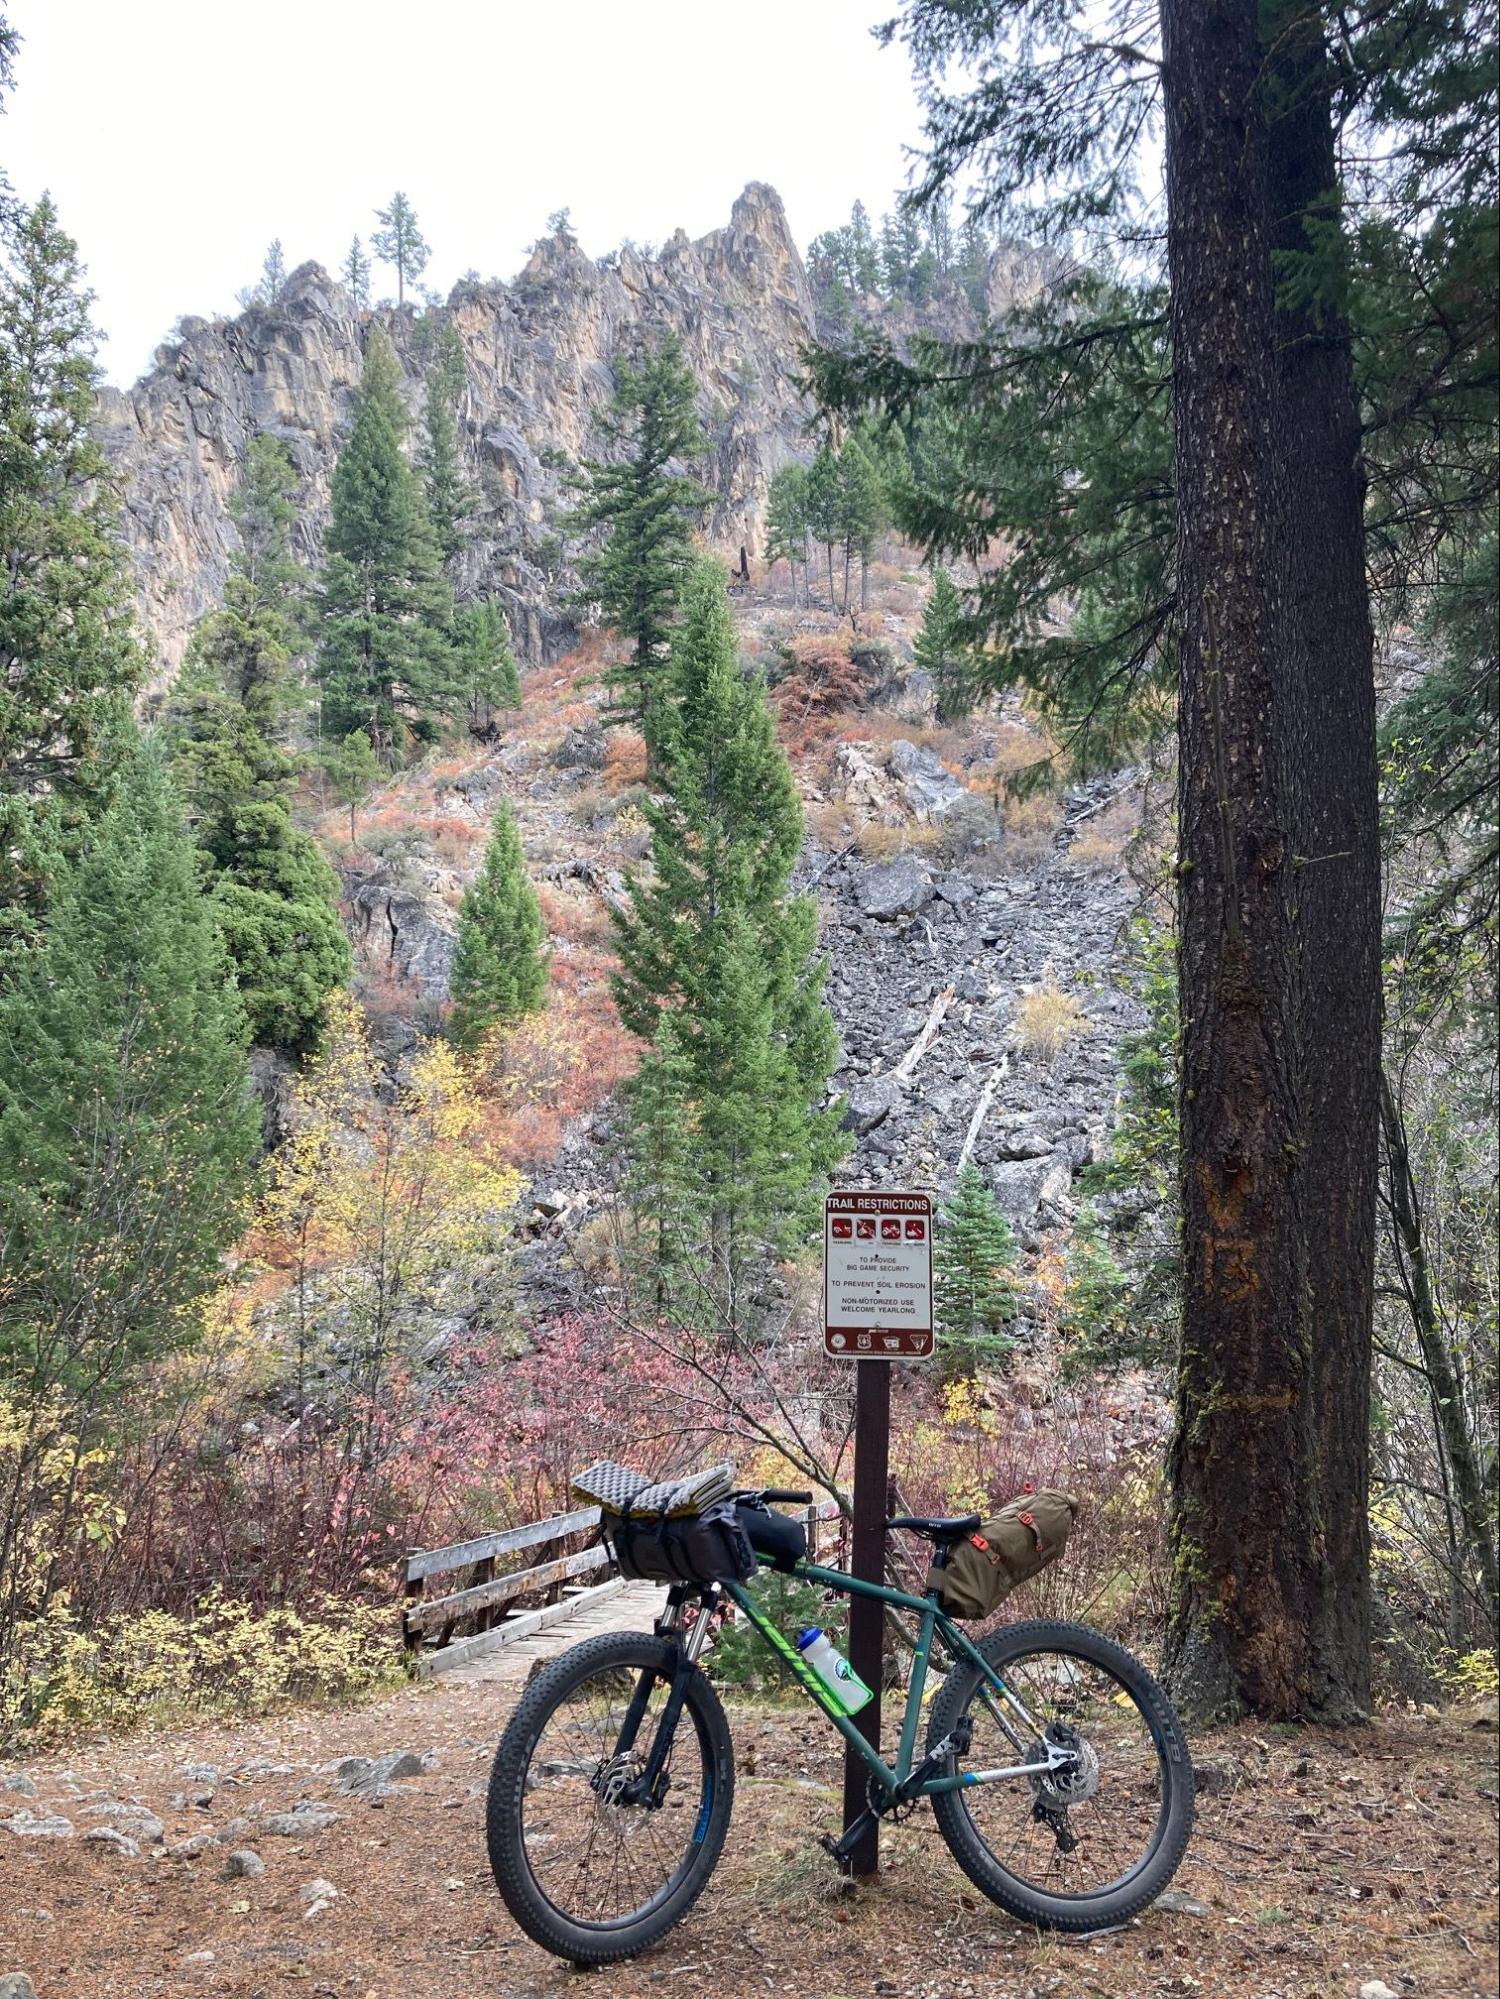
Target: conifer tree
x=1342, y=391
x=248, y=649
x=664, y=1205
x=354, y=771
x=69, y=663
x=862, y=514
x=384, y=654
x=825, y=516
x=973, y=1257
x=486, y=662
x=127, y=1128
x=398, y=241
x=714, y=941
x=940, y=652
x=500, y=965
x=786, y=519
x=273, y=896
x=647, y=507
x=450, y=499
x=355, y=273
x=268, y=289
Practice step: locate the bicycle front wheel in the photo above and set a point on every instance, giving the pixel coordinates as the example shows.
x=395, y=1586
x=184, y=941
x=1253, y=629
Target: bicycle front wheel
x=593, y=1862
x=1096, y=1838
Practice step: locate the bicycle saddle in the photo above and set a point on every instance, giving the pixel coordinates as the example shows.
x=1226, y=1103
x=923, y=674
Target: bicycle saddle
x=953, y=1529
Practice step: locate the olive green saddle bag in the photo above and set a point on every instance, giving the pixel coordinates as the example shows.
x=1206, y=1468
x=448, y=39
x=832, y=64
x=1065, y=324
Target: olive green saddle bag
x=1020, y=1540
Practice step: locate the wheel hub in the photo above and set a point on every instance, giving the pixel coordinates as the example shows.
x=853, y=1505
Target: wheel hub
x=1070, y=1782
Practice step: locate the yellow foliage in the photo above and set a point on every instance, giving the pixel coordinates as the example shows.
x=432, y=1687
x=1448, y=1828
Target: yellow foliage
x=376, y=1197
x=224, y=1659
x=1470, y=1676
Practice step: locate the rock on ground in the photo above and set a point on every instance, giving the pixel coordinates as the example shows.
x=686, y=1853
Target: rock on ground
x=898, y=887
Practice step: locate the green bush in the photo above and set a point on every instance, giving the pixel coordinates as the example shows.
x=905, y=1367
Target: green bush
x=742, y=1659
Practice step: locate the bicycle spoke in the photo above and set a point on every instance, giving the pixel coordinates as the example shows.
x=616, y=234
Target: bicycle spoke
x=1103, y=1802
x=597, y=1854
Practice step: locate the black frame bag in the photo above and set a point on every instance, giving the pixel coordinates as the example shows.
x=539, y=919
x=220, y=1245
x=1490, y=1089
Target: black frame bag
x=707, y=1547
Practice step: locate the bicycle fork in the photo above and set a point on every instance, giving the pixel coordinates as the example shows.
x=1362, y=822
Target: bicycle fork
x=650, y=1787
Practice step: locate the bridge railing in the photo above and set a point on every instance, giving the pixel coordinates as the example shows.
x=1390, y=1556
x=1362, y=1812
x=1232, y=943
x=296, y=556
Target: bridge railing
x=464, y=1600
x=479, y=1603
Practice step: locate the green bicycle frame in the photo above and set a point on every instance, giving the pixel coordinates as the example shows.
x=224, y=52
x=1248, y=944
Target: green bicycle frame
x=933, y=1623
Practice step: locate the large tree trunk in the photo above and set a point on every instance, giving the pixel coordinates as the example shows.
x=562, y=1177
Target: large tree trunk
x=1249, y=1572
x=1330, y=710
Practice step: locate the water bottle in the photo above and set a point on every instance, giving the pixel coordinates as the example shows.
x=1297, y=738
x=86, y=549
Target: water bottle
x=834, y=1670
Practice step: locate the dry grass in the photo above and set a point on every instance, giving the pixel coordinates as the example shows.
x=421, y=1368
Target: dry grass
x=1047, y=1018
x=1102, y=840
x=955, y=745
x=880, y=843
x=830, y=824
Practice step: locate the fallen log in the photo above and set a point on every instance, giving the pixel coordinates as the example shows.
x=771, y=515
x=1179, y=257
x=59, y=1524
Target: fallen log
x=992, y=1083
x=928, y=1035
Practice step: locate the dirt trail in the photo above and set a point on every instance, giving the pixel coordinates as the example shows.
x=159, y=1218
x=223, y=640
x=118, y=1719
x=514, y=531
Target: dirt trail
x=1321, y=1862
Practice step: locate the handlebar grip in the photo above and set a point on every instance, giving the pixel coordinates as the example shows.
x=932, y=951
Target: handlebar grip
x=787, y=1498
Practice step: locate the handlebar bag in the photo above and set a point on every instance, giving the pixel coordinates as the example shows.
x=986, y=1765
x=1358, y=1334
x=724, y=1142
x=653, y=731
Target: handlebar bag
x=709, y=1547
x=782, y=1540
x=1023, y=1538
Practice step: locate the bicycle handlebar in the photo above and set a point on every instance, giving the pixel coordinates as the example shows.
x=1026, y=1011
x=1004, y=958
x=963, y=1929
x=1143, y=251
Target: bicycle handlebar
x=775, y=1495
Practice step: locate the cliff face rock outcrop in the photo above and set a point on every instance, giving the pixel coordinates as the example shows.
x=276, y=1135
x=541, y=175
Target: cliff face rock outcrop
x=539, y=356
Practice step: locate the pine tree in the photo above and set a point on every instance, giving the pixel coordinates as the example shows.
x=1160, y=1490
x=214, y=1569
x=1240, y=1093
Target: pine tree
x=355, y=273
x=127, y=1129
x=353, y=771
x=862, y=514
x=248, y=649
x=973, y=1255
x=864, y=256
x=267, y=292
x=500, y=965
x=1068, y=432
x=486, y=663
x=786, y=519
x=647, y=507
x=384, y=656
x=940, y=650
x=450, y=499
x=714, y=942
x=399, y=242
x=825, y=519
x=664, y=1207
x=273, y=895
x=69, y=663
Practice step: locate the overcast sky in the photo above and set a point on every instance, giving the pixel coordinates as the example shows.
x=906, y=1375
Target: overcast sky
x=179, y=136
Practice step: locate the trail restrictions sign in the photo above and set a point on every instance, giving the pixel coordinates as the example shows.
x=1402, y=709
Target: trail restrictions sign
x=877, y=1276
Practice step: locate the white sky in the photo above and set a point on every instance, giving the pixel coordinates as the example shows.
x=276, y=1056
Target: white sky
x=179, y=136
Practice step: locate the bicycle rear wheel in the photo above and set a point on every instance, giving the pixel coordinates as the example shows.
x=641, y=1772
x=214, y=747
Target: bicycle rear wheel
x=592, y=1867
x=1097, y=1838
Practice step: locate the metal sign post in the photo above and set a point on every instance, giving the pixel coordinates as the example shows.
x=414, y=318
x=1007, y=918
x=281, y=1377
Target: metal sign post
x=877, y=1308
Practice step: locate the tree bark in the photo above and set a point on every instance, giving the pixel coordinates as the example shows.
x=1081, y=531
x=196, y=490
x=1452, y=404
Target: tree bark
x=1330, y=711
x=1248, y=1571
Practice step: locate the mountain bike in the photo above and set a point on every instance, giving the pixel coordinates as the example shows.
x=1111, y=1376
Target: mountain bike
x=1058, y=1773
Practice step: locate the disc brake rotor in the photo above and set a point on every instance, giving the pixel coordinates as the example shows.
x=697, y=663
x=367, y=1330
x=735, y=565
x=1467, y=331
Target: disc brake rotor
x=1072, y=1783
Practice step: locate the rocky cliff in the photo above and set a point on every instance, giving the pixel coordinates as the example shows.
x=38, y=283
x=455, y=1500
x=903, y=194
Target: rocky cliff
x=538, y=358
